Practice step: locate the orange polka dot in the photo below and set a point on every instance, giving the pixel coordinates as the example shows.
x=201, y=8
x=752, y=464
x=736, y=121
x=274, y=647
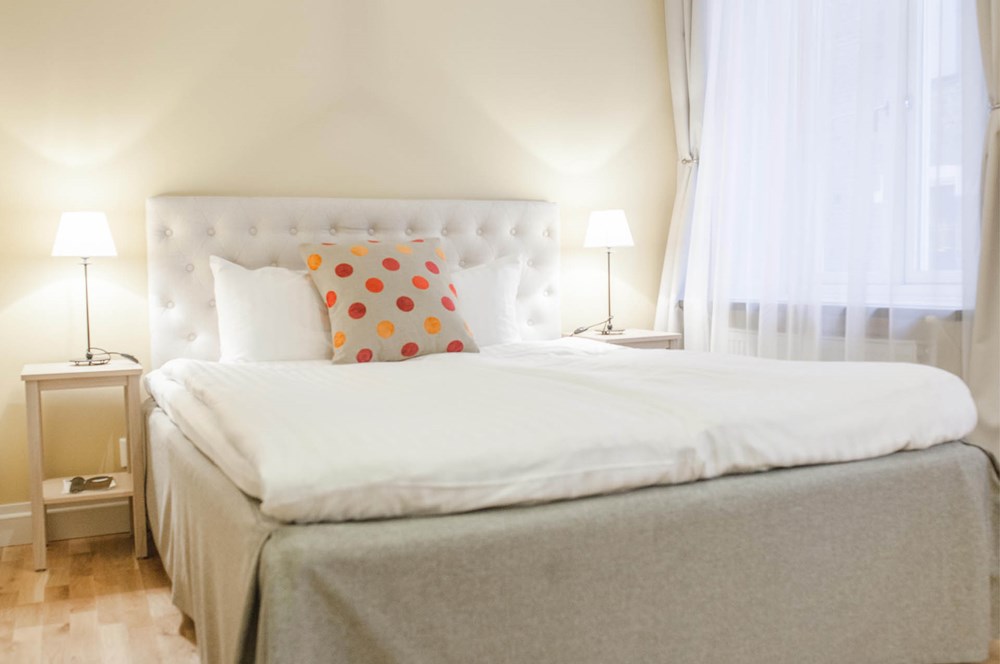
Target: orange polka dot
x=374, y=285
x=469, y=330
x=440, y=252
x=331, y=299
x=420, y=282
x=338, y=339
x=453, y=291
x=385, y=329
x=455, y=346
x=358, y=250
x=404, y=249
x=314, y=261
x=410, y=349
x=432, y=325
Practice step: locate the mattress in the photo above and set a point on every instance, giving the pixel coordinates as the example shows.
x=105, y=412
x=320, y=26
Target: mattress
x=885, y=560
x=538, y=421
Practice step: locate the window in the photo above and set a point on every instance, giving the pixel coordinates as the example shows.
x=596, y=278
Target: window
x=841, y=154
x=903, y=135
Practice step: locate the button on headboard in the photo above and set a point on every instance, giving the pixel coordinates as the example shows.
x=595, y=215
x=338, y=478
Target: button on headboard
x=183, y=231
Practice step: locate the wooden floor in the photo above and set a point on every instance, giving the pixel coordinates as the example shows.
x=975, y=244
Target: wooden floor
x=95, y=603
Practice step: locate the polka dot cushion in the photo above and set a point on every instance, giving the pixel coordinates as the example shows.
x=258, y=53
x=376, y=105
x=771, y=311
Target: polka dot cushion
x=388, y=301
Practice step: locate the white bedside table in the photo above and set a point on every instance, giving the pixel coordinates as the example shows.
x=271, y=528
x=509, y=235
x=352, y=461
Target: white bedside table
x=634, y=338
x=131, y=484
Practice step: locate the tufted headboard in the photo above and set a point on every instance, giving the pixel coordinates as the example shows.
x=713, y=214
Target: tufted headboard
x=183, y=231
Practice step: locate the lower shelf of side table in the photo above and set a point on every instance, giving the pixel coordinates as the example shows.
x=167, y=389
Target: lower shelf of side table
x=52, y=490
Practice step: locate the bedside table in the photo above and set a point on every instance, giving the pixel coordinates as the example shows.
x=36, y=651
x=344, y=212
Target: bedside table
x=131, y=484
x=634, y=338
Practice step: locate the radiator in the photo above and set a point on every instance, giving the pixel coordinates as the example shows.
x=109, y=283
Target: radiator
x=742, y=342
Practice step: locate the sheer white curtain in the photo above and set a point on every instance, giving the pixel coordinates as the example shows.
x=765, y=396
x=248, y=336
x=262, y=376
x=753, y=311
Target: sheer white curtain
x=837, y=212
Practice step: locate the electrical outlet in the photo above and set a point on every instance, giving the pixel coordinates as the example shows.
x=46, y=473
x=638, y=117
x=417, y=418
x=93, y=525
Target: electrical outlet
x=123, y=452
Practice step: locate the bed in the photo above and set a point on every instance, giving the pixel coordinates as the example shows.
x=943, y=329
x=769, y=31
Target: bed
x=887, y=559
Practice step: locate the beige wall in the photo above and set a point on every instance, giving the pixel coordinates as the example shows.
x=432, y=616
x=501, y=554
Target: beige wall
x=104, y=103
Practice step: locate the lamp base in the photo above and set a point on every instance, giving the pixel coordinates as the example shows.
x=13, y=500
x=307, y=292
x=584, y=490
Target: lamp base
x=90, y=363
x=92, y=359
x=609, y=329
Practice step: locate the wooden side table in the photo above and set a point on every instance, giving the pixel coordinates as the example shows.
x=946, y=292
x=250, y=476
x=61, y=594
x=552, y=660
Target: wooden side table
x=635, y=338
x=131, y=484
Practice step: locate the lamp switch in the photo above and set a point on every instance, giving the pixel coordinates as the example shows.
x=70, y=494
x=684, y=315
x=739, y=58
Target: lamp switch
x=123, y=452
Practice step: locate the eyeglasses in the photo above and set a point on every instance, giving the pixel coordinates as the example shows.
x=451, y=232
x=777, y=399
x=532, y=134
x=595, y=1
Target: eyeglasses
x=78, y=484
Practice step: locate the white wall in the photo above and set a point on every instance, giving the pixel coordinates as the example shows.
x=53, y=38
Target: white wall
x=104, y=103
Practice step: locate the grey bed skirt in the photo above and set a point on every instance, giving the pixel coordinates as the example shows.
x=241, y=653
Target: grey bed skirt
x=888, y=560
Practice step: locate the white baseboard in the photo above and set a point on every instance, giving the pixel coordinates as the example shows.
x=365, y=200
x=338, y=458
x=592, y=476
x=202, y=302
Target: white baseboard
x=65, y=522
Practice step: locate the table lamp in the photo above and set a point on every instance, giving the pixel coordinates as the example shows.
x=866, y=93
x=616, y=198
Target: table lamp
x=85, y=235
x=608, y=228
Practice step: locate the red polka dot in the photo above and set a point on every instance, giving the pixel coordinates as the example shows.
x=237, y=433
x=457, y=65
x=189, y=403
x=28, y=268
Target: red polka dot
x=343, y=270
x=456, y=346
x=329, y=244
x=364, y=355
x=447, y=303
x=373, y=241
x=357, y=310
x=432, y=267
x=416, y=240
x=420, y=282
x=374, y=285
x=390, y=264
x=453, y=291
x=410, y=349
x=331, y=299
x=404, y=303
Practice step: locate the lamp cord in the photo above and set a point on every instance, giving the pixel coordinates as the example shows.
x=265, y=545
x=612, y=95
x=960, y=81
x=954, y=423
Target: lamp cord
x=581, y=330
x=109, y=353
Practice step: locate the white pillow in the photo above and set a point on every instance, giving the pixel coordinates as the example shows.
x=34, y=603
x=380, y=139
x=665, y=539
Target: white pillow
x=272, y=313
x=488, y=295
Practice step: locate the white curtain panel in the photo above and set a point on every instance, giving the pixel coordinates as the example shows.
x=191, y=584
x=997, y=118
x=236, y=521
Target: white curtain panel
x=686, y=66
x=984, y=365
x=837, y=212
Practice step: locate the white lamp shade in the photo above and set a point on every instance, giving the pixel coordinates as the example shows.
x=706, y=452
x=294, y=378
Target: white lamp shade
x=85, y=235
x=608, y=228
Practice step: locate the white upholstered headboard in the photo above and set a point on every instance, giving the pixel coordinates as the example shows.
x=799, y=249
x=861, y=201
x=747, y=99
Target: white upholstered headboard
x=183, y=231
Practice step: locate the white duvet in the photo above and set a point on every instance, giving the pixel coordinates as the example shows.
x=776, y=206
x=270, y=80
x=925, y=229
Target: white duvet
x=534, y=422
